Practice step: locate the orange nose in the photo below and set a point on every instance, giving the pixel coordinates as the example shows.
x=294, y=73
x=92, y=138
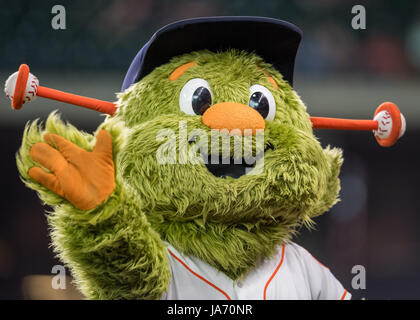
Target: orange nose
x=232, y=115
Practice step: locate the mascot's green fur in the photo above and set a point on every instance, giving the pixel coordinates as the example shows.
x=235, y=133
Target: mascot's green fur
x=117, y=250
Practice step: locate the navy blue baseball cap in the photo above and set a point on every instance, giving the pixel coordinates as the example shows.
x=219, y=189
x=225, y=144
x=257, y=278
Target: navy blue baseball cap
x=276, y=41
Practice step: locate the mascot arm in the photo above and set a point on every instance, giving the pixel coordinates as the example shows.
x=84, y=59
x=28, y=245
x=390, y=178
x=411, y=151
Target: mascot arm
x=108, y=242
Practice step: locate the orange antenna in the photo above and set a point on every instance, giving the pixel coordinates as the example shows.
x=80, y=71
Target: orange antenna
x=23, y=86
x=388, y=124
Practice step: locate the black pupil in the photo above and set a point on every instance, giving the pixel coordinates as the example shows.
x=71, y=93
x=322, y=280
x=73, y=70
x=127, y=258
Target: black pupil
x=201, y=100
x=259, y=102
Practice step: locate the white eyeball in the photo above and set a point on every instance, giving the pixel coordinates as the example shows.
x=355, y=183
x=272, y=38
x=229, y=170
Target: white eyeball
x=263, y=101
x=195, y=97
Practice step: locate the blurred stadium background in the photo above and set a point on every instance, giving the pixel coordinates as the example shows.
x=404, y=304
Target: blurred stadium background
x=339, y=72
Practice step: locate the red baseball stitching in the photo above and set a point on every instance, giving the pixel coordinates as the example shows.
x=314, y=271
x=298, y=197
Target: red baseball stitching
x=34, y=86
x=385, y=120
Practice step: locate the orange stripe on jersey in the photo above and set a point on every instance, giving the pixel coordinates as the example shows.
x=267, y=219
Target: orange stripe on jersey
x=344, y=295
x=274, y=273
x=316, y=259
x=198, y=276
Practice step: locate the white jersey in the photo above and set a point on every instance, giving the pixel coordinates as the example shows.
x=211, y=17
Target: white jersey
x=292, y=274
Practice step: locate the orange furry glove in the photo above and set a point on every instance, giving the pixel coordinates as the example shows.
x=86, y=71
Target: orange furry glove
x=84, y=178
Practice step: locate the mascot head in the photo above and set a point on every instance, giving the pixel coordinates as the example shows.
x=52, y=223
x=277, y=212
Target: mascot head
x=217, y=145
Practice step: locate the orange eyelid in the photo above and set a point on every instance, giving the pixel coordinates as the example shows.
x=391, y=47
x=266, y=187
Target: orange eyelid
x=272, y=81
x=180, y=70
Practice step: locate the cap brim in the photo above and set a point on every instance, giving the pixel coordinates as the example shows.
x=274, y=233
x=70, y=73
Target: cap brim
x=276, y=41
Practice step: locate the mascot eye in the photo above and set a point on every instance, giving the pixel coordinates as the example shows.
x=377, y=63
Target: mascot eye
x=195, y=97
x=263, y=101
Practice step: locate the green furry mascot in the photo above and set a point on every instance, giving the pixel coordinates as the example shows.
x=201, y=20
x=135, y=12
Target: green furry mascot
x=150, y=206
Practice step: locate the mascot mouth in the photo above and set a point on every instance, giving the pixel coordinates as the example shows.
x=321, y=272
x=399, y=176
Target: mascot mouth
x=222, y=167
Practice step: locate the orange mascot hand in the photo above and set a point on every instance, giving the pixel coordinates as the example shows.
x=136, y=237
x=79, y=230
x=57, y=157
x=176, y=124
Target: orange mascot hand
x=84, y=178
